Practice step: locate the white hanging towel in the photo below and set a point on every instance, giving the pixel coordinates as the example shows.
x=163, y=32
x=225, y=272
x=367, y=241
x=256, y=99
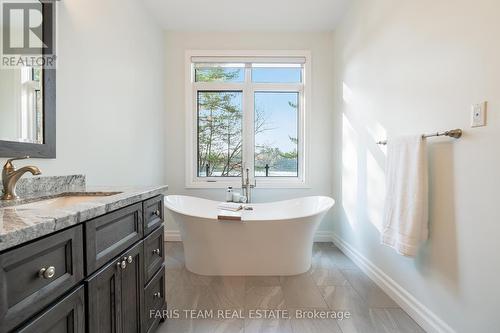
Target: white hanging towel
x=405, y=223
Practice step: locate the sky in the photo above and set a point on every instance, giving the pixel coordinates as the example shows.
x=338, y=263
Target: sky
x=278, y=113
x=280, y=116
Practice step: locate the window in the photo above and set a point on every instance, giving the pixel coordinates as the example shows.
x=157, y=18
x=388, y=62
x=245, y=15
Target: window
x=220, y=117
x=246, y=113
x=276, y=134
x=219, y=73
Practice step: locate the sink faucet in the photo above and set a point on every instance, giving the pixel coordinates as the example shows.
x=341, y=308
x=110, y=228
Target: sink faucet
x=10, y=176
x=246, y=187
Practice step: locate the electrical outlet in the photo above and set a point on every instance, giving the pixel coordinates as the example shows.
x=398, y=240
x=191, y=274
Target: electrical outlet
x=478, y=115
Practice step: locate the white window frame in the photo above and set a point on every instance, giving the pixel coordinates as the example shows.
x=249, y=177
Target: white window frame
x=191, y=89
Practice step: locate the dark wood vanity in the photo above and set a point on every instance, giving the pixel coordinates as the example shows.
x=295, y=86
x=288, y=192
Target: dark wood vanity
x=106, y=274
x=83, y=266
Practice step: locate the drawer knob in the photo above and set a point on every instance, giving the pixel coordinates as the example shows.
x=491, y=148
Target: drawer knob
x=156, y=251
x=157, y=294
x=156, y=212
x=47, y=273
x=121, y=264
x=128, y=259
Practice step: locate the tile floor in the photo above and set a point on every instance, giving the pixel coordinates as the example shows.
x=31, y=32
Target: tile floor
x=332, y=283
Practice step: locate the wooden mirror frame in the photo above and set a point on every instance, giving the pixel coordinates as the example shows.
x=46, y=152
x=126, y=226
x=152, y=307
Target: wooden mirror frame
x=48, y=148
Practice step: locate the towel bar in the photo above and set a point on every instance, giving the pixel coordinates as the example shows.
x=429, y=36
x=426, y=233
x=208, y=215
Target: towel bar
x=454, y=133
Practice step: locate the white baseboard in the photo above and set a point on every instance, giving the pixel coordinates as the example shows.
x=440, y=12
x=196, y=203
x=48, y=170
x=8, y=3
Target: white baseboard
x=427, y=319
x=320, y=236
x=323, y=236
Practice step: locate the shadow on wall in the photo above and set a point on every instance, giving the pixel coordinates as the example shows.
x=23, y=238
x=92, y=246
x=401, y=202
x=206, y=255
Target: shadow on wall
x=440, y=251
x=363, y=191
x=363, y=165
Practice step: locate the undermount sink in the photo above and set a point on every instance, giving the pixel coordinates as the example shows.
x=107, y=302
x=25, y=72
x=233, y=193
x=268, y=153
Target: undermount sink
x=64, y=199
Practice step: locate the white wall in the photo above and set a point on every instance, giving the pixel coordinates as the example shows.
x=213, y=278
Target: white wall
x=416, y=67
x=110, y=94
x=320, y=116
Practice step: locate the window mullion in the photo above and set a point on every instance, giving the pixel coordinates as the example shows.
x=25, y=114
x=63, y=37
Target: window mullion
x=218, y=86
x=248, y=119
x=278, y=87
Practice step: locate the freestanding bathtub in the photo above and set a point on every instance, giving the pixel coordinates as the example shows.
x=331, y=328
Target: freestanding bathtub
x=272, y=239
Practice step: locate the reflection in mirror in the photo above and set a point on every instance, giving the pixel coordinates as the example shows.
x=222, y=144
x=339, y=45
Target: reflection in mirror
x=21, y=105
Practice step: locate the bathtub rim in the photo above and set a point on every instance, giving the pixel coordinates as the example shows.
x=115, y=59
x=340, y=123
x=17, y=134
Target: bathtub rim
x=214, y=216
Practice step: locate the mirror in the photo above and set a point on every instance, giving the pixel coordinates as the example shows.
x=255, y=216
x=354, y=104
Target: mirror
x=28, y=80
x=21, y=105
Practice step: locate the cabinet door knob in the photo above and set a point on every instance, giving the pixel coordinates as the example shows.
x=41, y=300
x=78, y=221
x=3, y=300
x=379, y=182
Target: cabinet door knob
x=122, y=264
x=156, y=212
x=157, y=294
x=47, y=273
x=156, y=251
x=130, y=259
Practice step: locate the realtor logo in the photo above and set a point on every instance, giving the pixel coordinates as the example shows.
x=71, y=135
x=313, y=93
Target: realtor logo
x=28, y=36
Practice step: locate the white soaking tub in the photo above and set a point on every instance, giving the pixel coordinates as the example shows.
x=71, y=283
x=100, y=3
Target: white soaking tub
x=274, y=238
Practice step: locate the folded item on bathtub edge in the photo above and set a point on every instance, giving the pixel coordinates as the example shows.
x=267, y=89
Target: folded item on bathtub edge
x=231, y=206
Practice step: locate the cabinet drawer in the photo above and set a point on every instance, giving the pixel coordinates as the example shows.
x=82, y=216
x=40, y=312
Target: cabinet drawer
x=109, y=235
x=154, y=253
x=66, y=316
x=154, y=301
x=153, y=213
x=34, y=275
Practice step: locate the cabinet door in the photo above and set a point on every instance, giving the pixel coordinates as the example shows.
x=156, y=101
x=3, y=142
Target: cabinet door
x=66, y=316
x=104, y=299
x=132, y=277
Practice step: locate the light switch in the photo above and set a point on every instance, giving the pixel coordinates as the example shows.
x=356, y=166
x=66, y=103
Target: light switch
x=478, y=116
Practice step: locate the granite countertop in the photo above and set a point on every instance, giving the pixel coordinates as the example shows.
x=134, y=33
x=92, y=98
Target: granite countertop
x=31, y=218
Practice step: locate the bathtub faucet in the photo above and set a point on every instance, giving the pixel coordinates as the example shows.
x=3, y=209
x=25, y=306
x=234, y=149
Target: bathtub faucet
x=246, y=187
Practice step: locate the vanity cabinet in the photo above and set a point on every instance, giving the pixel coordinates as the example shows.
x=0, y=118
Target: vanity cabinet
x=103, y=275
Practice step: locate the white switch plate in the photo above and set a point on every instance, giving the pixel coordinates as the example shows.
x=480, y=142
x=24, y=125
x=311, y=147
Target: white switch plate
x=478, y=115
